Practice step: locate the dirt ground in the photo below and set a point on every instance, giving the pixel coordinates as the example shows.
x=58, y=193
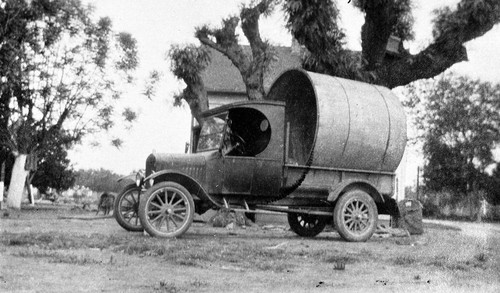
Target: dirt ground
x=45, y=250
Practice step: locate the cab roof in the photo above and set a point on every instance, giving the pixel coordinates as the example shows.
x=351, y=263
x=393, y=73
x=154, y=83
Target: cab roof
x=244, y=104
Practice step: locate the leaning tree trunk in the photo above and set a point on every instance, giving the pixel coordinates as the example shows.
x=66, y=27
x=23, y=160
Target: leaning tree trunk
x=17, y=182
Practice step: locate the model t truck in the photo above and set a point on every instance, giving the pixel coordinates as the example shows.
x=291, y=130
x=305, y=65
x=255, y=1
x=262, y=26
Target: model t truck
x=319, y=148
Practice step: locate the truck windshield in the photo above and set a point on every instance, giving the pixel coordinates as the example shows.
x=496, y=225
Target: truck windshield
x=212, y=133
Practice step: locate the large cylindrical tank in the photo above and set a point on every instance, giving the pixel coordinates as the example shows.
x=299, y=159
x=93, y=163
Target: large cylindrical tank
x=340, y=123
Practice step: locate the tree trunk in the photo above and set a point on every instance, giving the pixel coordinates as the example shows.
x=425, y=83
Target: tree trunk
x=17, y=182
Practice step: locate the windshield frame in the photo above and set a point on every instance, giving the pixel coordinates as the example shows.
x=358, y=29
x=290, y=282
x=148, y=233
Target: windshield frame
x=219, y=134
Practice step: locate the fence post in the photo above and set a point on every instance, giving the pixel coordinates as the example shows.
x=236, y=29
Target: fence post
x=2, y=179
x=418, y=182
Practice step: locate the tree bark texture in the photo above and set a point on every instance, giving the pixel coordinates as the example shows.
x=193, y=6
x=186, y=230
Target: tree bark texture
x=196, y=97
x=252, y=67
x=17, y=182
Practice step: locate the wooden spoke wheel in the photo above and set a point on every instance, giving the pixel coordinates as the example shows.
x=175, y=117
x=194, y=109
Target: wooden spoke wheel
x=355, y=216
x=306, y=225
x=126, y=208
x=166, y=210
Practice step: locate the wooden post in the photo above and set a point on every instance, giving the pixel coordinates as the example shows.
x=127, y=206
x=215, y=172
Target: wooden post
x=418, y=182
x=2, y=180
x=30, y=192
x=31, y=166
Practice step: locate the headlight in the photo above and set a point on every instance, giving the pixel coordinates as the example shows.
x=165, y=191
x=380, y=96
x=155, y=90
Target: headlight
x=152, y=180
x=139, y=178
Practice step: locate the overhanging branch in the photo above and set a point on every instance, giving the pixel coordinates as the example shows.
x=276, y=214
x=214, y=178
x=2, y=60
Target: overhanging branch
x=452, y=29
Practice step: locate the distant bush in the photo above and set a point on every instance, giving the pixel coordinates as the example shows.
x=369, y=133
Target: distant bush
x=449, y=205
x=101, y=180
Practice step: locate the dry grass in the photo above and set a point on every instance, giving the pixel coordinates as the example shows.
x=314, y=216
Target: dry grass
x=248, y=255
x=218, y=258
x=58, y=257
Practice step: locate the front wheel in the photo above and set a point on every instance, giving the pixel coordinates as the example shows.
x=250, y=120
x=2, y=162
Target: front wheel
x=355, y=216
x=166, y=210
x=306, y=225
x=126, y=207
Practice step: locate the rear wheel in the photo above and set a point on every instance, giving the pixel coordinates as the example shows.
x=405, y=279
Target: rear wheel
x=355, y=216
x=306, y=225
x=126, y=208
x=166, y=210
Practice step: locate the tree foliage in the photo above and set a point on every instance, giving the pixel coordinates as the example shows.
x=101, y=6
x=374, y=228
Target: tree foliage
x=493, y=186
x=60, y=71
x=314, y=23
x=54, y=168
x=187, y=63
x=458, y=119
x=99, y=180
x=56, y=68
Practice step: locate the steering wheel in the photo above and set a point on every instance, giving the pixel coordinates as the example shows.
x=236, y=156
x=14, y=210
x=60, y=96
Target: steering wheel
x=239, y=143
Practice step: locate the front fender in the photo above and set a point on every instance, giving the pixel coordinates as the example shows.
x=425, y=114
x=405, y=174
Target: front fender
x=131, y=177
x=191, y=184
x=364, y=185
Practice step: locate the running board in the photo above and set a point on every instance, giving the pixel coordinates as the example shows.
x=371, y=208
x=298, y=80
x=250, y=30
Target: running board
x=298, y=211
x=275, y=210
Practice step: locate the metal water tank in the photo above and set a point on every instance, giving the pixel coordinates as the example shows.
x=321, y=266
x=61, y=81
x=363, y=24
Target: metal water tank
x=339, y=123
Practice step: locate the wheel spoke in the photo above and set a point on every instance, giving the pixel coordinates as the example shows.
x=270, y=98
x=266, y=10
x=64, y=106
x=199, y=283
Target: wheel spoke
x=126, y=204
x=178, y=202
x=159, y=197
x=174, y=195
x=154, y=212
x=156, y=219
x=128, y=214
x=173, y=221
x=156, y=205
x=180, y=209
x=178, y=217
x=166, y=221
x=162, y=218
x=128, y=200
x=133, y=199
x=126, y=208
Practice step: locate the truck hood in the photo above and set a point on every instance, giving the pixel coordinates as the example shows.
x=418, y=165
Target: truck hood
x=193, y=165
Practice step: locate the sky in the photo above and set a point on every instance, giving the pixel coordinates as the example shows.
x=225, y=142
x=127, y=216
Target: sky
x=157, y=25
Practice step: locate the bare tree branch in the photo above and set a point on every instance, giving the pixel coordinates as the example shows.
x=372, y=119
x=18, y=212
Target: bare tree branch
x=453, y=28
x=252, y=67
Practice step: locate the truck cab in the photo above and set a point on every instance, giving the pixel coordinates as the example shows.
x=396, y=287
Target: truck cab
x=243, y=145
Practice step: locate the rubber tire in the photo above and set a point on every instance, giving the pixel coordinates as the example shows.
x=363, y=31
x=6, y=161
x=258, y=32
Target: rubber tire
x=149, y=195
x=298, y=223
x=339, y=220
x=117, y=210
